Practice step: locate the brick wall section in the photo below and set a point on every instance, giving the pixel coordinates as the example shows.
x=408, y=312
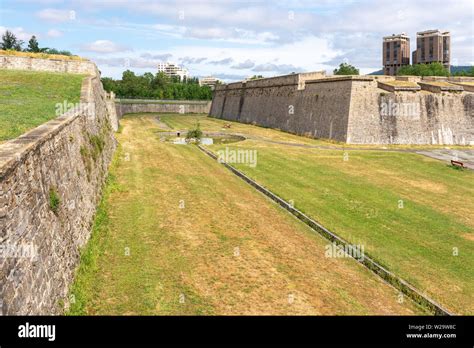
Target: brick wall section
x=349, y=109
x=58, y=155
x=184, y=107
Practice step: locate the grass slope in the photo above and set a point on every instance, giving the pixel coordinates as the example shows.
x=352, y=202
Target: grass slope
x=228, y=250
x=413, y=214
x=28, y=98
x=428, y=242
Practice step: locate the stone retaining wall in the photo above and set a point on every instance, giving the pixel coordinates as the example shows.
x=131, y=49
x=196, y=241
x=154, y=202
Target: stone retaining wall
x=409, y=117
x=171, y=106
x=51, y=180
x=53, y=65
x=352, y=109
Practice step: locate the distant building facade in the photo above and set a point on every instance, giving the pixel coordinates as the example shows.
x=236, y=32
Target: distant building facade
x=396, y=53
x=171, y=70
x=433, y=46
x=209, y=81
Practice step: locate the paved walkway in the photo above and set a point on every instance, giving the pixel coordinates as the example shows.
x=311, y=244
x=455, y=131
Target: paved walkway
x=465, y=156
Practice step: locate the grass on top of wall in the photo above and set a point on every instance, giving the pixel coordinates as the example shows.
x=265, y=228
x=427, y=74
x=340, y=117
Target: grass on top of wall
x=29, y=98
x=39, y=55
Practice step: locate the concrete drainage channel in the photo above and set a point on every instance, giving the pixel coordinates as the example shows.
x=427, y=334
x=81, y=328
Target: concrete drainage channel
x=367, y=261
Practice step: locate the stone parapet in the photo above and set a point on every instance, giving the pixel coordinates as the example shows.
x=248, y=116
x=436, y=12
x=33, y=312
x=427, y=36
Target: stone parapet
x=52, y=65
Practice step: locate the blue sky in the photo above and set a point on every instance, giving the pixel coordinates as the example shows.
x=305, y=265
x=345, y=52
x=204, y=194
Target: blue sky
x=235, y=39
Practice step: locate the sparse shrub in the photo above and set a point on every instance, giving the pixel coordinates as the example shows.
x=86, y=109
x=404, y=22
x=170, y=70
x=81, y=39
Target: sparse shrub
x=97, y=144
x=84, y=153
x=87, y=161
x=195, y=133
x=54, y=201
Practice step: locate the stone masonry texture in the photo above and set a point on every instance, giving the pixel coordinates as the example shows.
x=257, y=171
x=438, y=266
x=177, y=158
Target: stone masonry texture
x=40, y=238
x=183, y=107
x=350, y=109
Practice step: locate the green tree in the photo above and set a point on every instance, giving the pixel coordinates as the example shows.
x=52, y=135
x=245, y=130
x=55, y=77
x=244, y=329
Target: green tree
x=346, y=69
x=10, y=42
x=33, y=45
x=469, y=72
x=433, y=69
x=157, y=86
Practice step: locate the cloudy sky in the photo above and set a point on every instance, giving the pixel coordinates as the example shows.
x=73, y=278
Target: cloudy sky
x=235, y=39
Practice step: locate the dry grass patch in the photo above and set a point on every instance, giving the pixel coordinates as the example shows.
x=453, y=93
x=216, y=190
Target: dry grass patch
x=39, y=55
x=228, y=251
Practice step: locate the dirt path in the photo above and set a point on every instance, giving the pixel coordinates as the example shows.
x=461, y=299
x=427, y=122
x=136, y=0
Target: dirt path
x=185, y=236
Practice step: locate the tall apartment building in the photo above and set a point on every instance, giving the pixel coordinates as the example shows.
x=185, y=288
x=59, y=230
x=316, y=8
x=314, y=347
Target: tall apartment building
x=171, y=70
x=396, y=53
x=433, y=46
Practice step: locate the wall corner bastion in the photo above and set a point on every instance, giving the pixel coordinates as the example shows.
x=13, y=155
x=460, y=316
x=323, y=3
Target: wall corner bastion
x=353, y=109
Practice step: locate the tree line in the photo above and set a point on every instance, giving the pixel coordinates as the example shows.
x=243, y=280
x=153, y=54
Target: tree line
x=433, y=69
x=156, y=86
x=11, y=42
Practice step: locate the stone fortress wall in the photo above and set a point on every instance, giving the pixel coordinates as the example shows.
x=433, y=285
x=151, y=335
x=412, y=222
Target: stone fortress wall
x=127, y=106
x=69, y=156
x=355, y=109
x=54, y=65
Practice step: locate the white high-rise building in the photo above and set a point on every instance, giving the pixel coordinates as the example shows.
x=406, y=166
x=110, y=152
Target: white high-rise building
x=171, y=70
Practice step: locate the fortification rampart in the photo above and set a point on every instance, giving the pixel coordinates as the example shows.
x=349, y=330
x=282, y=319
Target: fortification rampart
x=354, y=109
x=51, y=180
x=54, y=65
x=161, y=106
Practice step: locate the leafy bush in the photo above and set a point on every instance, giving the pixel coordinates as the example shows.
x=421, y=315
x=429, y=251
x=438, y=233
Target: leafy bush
x=195, y=133
x=346, y=69
x=54, y=201
x=433, y=69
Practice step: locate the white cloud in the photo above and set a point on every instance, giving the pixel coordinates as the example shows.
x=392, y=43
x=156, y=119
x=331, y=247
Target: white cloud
x=277, y=68
x=244, y=65
x=53, y=33
x=318, y=34
x=104, y=46
x=273, y=60
x=56, y=16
